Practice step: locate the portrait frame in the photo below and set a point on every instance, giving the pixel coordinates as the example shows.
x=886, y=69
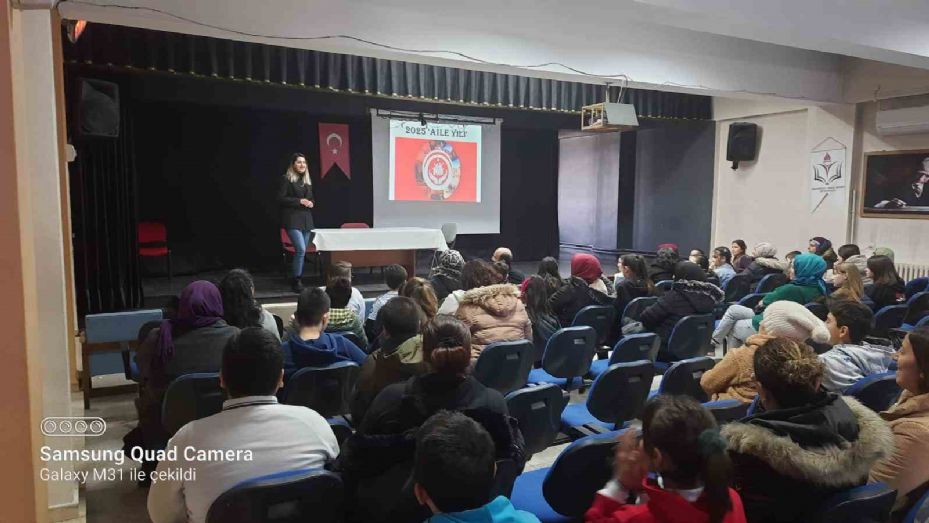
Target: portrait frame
x=887, y=175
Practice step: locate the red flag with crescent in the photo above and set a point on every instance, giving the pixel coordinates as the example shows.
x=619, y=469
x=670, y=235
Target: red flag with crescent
x=333, y=148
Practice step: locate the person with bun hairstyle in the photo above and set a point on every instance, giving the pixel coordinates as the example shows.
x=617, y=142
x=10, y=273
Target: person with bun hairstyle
x=681, y=444
x=802, y=444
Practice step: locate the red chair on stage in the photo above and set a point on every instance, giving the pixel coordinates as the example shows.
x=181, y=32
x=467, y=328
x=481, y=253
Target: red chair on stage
x=287, y=247
x=355, y=225
x=153, y=242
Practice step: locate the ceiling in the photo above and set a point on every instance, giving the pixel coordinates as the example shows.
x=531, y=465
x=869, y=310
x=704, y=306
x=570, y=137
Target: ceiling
x=790, y=49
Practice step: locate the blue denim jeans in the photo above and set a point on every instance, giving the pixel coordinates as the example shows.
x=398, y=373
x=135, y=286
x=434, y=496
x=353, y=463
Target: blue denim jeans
x=300, y=239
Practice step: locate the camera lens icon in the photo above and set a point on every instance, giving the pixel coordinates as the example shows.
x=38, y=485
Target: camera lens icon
x=73, y=426
x=49, y=427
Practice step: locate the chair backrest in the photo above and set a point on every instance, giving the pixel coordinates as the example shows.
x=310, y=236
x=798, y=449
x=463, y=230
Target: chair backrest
x=569, y=352
x=450, y=232
x=916, y=307
x=726, y=411
x=151, y=233
x=581, y=469
x=869, y=503
x=619, y=394
x=505, y=365
x=352, y=337
x=877, y=391
x=916, y=285
x=889, y=317
x=691, y=336
x=737, y=287
x=751, y=300
x=598, y=317
x=118, y=326
x=280, y=325
x=288, y=497
x=323, y=389
x=355, y=225
x=683, y=378
x=286, y=243
x=919, y=513
x=664, y=286
x=505, y=477
x=771, y=282
x=818, y=309
x=538, y=411
x=923, y=322
x=635, y=307
x=369, y=302
x=635, y=347
x=191, y=397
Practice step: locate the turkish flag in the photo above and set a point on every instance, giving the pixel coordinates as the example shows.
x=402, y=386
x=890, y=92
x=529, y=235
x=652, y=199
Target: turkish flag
x=333, y=148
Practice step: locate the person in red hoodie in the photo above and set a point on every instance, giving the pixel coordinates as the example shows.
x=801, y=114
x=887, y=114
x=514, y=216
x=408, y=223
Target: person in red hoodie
x=681, y=444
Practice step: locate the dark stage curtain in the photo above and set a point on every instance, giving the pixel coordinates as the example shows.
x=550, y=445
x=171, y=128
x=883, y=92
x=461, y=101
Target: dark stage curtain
x=103, y=215
x=143, y=49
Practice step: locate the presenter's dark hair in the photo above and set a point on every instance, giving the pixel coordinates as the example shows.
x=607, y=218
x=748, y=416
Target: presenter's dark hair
x=400, y=317
x=454, y=462
x=252, y=363
x=340, y=292
x=394, y=276
x=239, y=306
x=477, y=273
x=312, y=304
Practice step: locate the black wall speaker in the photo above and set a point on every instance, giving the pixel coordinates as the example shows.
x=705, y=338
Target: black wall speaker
x=743, y=142
x=97, y=114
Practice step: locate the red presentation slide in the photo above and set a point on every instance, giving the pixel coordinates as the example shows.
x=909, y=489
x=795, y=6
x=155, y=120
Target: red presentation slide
x=430, y=170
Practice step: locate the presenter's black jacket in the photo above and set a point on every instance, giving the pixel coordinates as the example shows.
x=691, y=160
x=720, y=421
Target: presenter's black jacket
x=294, y=215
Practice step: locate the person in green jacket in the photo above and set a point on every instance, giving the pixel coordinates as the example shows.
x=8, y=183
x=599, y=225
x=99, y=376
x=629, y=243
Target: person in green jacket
x=738, y=323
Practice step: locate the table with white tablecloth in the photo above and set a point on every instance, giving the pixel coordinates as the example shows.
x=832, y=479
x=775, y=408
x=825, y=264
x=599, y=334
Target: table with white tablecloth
x=379, y=246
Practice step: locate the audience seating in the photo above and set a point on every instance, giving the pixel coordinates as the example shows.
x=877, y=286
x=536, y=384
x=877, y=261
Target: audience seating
x=616, y=396
x=369, y=302
x=287, y=249
x=564, y=491
x=771, y=282
x=538, y=410
x=919, y=513
x=726, y=411
x=505, y=477
x=869, y=503
x=633, y=347
x=751, y=300
x=567, y=358
x=877, y=391
x=690, y=337
x=341, y=428
x=737, y=287
x=683, y=378
x=917, y=308
x=324, y=389
x=287, y=497
x=107, y=344
x=280, y=325
x=505, y=365
x=664, y=286
x=916, y=285
x=753, y=406
x=153, y=243
x=352, y=337
x=818, y=309
x=597, y=317
x=191, y=397
x=887, y=318
x=635, y=307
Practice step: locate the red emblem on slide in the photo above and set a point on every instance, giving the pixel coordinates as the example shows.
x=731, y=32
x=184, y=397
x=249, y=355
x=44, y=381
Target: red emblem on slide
x=439, y=170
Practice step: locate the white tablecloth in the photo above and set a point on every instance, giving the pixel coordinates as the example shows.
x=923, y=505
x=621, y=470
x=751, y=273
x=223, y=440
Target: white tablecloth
x=379, y=239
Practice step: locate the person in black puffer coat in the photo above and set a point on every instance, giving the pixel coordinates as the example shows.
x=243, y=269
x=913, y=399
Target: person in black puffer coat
x=765, y=262
x=689, y=295
x=586, y=286
x=662, y=268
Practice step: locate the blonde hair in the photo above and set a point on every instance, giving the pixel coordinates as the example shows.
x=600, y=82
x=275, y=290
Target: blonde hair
x=852, y=288
x=292, y=175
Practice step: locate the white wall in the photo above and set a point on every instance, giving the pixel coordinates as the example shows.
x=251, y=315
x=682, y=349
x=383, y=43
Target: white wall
x=908, y=238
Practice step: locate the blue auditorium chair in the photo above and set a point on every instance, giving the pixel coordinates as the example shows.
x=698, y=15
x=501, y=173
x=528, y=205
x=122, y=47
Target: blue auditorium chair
x=683, y=378
x=191, y=397
x=737, y=287
x=690, y=337
x=505, y=365
x=919, y=513
x=324, y=389
x=121, y=329
x=564, y=491
x=725, y=411
x=664, y=286
x=751, y=300
x=597, y=317
x=616, y=396
x=567, y=358
x=633, y=347
x=369, y=302
x=287, y=497
x=887, y=318
x=916, y=285
x=538, y=410
x=877, y=391
x=352, y=337
x=771, y=282
x=635, y=307
x=869, y=503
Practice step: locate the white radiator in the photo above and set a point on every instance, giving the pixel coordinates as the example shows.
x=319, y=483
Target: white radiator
x=909, y=271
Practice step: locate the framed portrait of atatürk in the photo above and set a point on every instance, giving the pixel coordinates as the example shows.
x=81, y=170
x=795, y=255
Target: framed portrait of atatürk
x=895, y=184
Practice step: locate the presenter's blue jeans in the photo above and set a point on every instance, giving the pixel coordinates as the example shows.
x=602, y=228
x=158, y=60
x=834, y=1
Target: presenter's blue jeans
x=300, y=239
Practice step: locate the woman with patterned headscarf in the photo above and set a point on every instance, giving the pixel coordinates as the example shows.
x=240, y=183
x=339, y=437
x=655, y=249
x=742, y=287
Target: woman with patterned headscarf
x=765, y=262
x=446, y=275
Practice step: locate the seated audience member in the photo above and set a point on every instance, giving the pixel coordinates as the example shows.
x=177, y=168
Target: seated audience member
x=689, y=295
x=399, y=357
x=356, y=302
x=453, y=473
x=907, y=469
x=695, y=254
x=803, y=444
x=548, y=270
x=310, y=345
x=765, y=262
x=884, y=251
x=738, y=323
x=851, y=254
x=847, y=282
x=740, y=260
x=585, y=287
x=823, y=248
x=681, y=444
x=722, y=265
x=888, y=287
x=734, y=376
x=394, y=276
x=662, y=268
x=502, y=270
x=279, y=437
x=239, y=306
x=342, y=318
x=534, y=296
x=704, y=264
x=494, y=313
x=789, y=257
x=505, y=256
x=474, y=274
x=420, y=291
x=635, y=282
x=851, y=358
x=192, y=342
x=445, y=277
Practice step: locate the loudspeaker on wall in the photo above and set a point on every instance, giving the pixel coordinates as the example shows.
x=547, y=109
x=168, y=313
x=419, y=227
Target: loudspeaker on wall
x=97, y=112
x=742, y=144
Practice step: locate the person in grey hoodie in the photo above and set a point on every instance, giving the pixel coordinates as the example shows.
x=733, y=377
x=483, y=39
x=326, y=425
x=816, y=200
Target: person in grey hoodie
x=851, y=253
x=851, y=358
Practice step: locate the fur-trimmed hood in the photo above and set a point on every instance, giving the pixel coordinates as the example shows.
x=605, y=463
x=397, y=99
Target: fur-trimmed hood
x=695, y=288
x=830, y=465
x=499, y=300
x=772, y=263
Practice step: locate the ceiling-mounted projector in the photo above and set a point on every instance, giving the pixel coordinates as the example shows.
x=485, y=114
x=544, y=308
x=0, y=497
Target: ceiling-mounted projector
x=609, y=117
